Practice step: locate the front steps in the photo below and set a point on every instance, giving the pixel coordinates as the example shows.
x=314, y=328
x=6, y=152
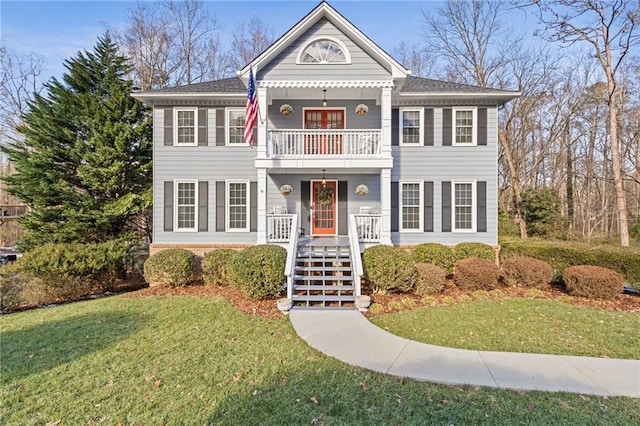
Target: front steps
x=323, y=275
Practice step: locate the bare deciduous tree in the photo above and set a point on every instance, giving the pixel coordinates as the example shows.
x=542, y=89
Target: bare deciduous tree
x=248, y=41
x=611, y=29
x=415, y=58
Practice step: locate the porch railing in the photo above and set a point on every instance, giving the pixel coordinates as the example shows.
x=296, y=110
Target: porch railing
x=292, y=247
x=368, y=227
x=356, y=259
x=324, y=143
x=280, y=227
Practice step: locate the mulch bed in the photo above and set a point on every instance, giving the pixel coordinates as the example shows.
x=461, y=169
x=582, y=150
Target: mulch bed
x=390, y=303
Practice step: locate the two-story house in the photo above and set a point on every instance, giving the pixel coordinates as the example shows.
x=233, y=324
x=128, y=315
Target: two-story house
x=350, y=150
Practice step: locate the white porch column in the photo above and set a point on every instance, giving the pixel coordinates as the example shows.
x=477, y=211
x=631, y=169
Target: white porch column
x=385, y=206
x=262, y=122
x=385, y=105
x=261, y=238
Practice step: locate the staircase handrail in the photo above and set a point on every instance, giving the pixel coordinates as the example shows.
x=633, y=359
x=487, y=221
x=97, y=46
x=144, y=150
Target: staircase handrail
x=354, y=246
x=292, y=246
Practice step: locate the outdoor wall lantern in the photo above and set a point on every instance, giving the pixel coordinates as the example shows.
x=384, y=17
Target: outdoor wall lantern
x=324, y=98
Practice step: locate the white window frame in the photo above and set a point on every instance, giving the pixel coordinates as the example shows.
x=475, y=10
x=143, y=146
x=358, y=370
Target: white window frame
x=474, y=127
x=401, y=126
x=474, y=206
x=227, y=127
x=227, y=206
x=176, y=183
x=340, y=44
x=420, y=206
x=175, y=126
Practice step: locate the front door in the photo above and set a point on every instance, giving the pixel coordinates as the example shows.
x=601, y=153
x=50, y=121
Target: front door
x=323, y=143
x=324, y=197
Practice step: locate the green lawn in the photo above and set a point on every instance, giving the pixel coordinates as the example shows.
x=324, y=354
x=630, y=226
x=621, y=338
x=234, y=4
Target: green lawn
x=521, y=325
x=194, y=361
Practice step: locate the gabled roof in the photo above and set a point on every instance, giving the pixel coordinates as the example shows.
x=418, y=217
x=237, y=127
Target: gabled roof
x=429, y=88
x=324, y=10
x=227, y=85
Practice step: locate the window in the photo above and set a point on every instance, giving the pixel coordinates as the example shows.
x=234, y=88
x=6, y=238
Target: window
x=235, y=127
x=464, y=212
x=186, y=127
x=464, y=125
x=324, y=51
x=411, y=132
x=411, y=206
x=186, y=205
x=237, y=206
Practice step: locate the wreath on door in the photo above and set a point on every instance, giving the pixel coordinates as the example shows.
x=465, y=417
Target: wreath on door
x=325, y=196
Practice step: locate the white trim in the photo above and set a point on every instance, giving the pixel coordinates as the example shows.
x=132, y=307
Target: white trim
x=340, y=44
x=327, y=108
x=421, y=126
x=227, y=138
x=420, y=206
x=474, y=126
x=474, y=206
x=175, y=126
x=324, y=84
x=336, y=216
x=176, y=183
x=227, y=222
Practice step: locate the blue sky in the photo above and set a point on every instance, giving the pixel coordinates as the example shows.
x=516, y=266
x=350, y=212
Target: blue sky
x=57, y=30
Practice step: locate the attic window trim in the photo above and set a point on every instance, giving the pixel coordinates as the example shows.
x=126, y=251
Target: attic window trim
x=339, y=44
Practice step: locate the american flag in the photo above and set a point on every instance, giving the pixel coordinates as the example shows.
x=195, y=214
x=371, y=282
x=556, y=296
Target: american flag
x=251, y=112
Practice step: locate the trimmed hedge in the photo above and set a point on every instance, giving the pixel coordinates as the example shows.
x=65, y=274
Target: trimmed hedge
x=435, y=254
x=174, y=267
x=593, y=282
x=476, y=274
x=214, y=266
x=258, y=270
x=430, y=279
x=477, y=250
x=526, y=272
x=560, y=256
x=389, y=269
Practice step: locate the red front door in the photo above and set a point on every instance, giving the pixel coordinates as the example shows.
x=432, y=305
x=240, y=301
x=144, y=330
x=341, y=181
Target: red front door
x=324, y=198
x=323, y=143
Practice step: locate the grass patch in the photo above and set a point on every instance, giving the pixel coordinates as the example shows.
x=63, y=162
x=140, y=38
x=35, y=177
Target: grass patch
x=521, y=325
x=196, y=360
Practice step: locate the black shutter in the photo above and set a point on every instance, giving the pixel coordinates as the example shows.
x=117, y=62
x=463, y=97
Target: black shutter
x=482, y=126
x=343, y=208
x=220, y=136
x=220, y=207
x=446, y=206
x=305, y=198
x=202, y=127
x=428, y=127
x=446, y=127
x=203, y=206
x=428, y=207
x=395, y=202
x=168, y=126
x=253, y=210
x=481, y=199
x=395, y=127
x=168, y=205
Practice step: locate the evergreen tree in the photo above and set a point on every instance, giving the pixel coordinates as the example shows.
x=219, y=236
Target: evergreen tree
x=84, y=166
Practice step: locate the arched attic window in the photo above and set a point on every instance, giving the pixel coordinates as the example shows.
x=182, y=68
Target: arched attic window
x=325, y=50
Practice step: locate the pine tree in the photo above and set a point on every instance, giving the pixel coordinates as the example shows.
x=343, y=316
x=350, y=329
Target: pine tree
x=84, y=166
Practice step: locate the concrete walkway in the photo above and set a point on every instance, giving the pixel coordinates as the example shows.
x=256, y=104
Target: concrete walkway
x=348, y=336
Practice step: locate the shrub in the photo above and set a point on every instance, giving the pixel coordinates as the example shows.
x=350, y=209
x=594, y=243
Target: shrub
x=526, y=272
x=476, y=274
x=258, y=270
x=542, y=212
x=434, y=253
x=174, y=267
x=214, y=266
x=560, y=256
x=478, y=250
x=430, y=279
x=593, y=282
x=389, y=269
x=10, y=288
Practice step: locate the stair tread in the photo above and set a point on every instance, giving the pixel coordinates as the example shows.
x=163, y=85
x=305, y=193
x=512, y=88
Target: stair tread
x=323, y=277
x=320, y=298
x=324, y=287
x=323, y=268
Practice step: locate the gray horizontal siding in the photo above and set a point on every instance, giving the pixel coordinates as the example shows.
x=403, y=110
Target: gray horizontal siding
x=370, y=120
x=284, y=67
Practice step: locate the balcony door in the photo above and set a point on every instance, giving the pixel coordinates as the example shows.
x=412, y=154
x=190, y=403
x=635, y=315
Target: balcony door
x=324, y=207
x=322, y=143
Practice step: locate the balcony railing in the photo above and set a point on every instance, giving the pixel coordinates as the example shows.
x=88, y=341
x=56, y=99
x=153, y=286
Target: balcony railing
x=280, y=227
x=323, y=143
x=368, y=227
